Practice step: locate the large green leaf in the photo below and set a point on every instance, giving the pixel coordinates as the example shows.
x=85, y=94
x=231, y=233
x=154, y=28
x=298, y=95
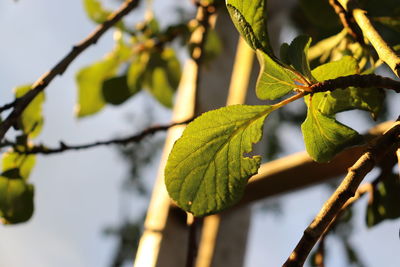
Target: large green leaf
x=330, y=103
x=162, y=76
x=250, y=19
x=208, y=169
x=16, y=200
x=95, y=11
x=31, y=121
x=385, y=201
x=274, y=80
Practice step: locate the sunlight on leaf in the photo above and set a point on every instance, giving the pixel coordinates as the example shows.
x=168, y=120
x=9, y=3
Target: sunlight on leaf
x=274, y=80
x=31, y=121
x=250, y=19
x=95, y=11
x=207, y=170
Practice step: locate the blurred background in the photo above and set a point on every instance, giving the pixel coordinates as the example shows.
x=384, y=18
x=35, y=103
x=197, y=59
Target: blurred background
x=88, y=202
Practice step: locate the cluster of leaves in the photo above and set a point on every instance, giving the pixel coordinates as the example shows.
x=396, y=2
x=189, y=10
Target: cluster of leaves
x=140, y=62
x=16, y=194
x=208, y=169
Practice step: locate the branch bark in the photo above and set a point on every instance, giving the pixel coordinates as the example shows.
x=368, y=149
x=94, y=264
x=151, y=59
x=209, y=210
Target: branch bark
x=42, y=149
x=385, y=52
x=63, y=64
x=345, y=191
x=356, y=80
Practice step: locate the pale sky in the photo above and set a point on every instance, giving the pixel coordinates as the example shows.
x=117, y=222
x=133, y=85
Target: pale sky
x=77, y=192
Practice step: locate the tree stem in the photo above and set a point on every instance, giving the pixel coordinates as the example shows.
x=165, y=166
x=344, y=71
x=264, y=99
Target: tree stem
x=345, y=191
x=385, y=52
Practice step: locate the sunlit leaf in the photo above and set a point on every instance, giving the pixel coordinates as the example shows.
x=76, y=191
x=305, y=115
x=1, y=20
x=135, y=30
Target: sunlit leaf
x=162, y=76
x=385, y=201
x=274, y=80
x=16, y=200
x=208, y=169
x=250, y=19
x=94, y=9
x=12, y=160
x=31, y=121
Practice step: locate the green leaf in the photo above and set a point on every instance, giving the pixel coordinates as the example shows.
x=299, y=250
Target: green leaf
x=16, y=200
x=330, y=103
x=136, y=72
x=297, y=55
x=274, y=80
x=250, y=19
x=31, y=121
x=23, y=162
x=212, y=46
x=116, y=90
x=385, y=201
x=343, y=67
x=162, y=76
x=208, y=169
x=95, y=11
x=323, y=136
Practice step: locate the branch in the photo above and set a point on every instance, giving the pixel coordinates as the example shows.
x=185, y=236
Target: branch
x=42, y=149
x=8, y=106
x=347, y=22
x=63, y=64
x=356, y=80
x=385, y=52
x=345, y=191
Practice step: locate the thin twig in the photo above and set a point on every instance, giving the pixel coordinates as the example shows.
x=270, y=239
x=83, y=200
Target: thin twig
x=345, y=191
x=42, y=149
x=8, y=105
x=347, y=22
x=385, y=52
x=320, y=254
x=63, y=64
x=356, y=80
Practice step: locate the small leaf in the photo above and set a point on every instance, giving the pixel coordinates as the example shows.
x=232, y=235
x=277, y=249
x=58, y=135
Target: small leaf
x=212, y=46
x=162, y=76
x=136, y=72
x=385, y=200
x=90, y=80
x=343, y=67
x=323, y=136
x=274, y=80
x=16, y=200
x=23, y=162
x=95, y=11
x=297, y=55
x=250, y=19
x=207, y=169
x=116, y=90
x=31, y=121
